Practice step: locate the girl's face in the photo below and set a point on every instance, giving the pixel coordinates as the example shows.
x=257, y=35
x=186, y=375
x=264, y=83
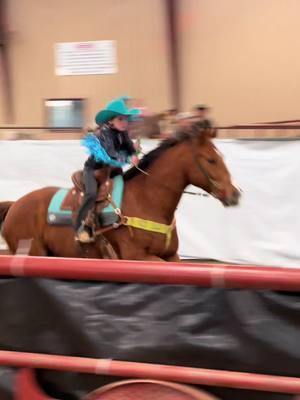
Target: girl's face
x=120, y=123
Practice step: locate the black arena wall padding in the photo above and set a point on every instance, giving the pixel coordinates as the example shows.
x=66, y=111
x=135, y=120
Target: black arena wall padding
x=239, y=330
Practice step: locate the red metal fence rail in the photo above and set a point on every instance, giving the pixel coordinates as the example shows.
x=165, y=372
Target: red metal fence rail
x=199, y=274
x=199, y=376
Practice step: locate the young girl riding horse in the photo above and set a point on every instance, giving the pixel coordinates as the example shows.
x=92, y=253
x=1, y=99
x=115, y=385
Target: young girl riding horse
x=110, y=145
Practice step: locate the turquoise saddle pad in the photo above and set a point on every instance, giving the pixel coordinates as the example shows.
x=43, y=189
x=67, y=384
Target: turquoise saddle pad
x=57, y=216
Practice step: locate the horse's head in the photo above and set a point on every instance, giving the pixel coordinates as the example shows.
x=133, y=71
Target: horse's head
x=207, y=170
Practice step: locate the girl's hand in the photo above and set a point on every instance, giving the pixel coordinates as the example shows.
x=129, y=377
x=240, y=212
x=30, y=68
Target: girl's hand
x=134, y=160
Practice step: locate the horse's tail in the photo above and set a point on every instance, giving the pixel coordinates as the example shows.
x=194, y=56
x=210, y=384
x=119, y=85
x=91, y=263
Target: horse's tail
x=4, y=207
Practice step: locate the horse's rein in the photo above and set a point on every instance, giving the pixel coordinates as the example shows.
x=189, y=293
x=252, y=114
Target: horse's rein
x=175, y=191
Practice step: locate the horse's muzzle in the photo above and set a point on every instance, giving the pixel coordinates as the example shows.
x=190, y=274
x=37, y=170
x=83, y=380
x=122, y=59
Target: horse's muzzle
x=232, y=199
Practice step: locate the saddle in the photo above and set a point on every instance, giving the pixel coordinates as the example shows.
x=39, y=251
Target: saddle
x=103, y=179
x=64, y=204
x=73, y=198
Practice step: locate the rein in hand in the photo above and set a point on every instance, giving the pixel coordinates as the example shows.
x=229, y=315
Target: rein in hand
x=185, y=191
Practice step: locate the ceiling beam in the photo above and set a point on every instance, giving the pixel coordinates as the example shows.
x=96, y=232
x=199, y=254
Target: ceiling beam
x=174, y=66
x=6, y=84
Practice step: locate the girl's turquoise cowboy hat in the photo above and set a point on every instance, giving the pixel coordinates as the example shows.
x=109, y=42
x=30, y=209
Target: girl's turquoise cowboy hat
x=115, y=108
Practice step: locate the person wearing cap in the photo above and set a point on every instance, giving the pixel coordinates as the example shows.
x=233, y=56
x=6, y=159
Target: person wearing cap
x=108, y=146
x=203, y=121
x=201, y=113
x=184, y=124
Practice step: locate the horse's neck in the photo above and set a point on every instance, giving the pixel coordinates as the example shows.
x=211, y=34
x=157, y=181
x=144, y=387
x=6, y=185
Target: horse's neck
x=160, y=190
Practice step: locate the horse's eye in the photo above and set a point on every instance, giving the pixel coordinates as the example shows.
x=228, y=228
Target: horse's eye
x=211, y=161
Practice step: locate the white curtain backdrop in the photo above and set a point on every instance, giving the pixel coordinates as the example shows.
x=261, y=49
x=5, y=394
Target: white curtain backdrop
x=263, y=230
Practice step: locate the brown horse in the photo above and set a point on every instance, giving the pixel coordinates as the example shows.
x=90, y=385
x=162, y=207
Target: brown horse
x=152, y=196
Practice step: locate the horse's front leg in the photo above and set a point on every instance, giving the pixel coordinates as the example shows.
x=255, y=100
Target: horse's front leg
x=174, y=258
x=149, y=257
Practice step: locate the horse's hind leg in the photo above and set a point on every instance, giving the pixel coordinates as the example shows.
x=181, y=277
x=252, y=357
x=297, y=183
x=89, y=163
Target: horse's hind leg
x=38, y=248
x=31, y=247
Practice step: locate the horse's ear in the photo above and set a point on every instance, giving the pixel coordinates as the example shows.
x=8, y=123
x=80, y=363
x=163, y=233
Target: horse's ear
x=201, y=136
x=213, y=132
x=207, y=134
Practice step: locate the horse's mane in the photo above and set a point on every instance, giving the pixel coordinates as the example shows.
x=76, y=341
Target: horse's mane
x=153, y=155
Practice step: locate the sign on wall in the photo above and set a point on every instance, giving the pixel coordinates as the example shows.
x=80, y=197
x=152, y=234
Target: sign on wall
x=86, y=58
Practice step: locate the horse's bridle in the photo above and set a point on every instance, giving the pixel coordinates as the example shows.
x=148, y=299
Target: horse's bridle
x=216, y=187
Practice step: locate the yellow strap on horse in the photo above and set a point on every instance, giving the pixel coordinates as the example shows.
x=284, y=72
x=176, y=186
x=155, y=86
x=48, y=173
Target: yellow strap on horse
x=151, y=226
